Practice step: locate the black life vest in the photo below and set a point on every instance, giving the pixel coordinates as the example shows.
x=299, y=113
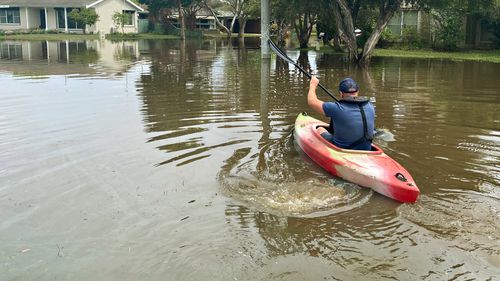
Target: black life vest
x=360, y=101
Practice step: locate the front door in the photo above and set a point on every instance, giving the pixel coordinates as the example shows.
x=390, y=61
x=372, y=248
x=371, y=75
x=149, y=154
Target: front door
x=43, y=21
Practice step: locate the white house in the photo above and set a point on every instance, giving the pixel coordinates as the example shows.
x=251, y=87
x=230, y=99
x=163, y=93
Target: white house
x=53, y=15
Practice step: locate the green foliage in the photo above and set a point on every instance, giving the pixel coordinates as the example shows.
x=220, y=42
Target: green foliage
x=326, y=22
x=156, y=6
x=120, y=19
x=366, y=21
x=448, y=31
x=251, y=8
x=411, y=38
x=84, y=16
x=122, y=36
x=486, y=56
x=387, y=38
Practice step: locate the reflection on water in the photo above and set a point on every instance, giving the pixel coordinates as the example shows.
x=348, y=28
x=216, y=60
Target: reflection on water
x=147, y=159
x=37, y=58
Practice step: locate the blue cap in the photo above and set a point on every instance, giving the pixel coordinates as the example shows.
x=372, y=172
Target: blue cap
x=348, y=86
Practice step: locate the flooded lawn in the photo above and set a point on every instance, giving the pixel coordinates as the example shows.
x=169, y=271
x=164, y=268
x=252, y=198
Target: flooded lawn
x=155, y=160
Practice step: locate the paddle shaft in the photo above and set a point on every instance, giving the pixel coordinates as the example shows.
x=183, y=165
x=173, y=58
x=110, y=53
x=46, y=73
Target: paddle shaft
x=282, y=55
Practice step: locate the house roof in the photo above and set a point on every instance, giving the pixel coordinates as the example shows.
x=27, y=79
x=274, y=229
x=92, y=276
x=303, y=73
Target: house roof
x=58, y=3
x=96, y=2
x=46, y=3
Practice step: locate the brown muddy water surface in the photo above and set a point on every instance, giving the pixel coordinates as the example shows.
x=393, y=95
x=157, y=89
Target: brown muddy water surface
x=152, y=160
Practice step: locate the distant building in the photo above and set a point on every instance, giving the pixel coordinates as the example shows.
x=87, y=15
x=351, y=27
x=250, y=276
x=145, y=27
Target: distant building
x=205, y=20
x=477, y=33
x=410, y=18
x=53, y=15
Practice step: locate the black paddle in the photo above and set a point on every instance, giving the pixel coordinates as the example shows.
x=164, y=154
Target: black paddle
x=282, y=55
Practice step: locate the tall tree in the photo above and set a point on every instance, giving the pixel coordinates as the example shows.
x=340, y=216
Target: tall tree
x=345, y=26
x=158, y=8
x=181, y=19
x=301, y=15
x=214, y=7
x=386, y=11
x=249, y=9
x=240, y=9
x=346, y=12
x=280, y=12
x=190, y=12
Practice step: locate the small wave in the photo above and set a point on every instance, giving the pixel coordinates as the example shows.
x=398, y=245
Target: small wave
x=279, y=180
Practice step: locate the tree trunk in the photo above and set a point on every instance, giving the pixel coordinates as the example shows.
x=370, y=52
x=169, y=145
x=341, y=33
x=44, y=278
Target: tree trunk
x=243, y=23
x=303, y=61
x=345, y=26
x=384, y=17
x=231, y=27
x=334, y=42
x=190, y=20
x=181, y=20
x=303, y=28
x=221, y=25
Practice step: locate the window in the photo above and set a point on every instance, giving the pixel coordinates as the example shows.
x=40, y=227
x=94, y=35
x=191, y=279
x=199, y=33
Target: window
x=9, y=16
x=61, y=23
x=203, y=23
x=11, y=51
x=71, y=23
x=401, y=20
x=72, y=50
x=60, y=18
x=129, y=17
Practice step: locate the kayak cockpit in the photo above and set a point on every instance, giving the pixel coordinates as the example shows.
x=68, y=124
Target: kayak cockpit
x=374, y=149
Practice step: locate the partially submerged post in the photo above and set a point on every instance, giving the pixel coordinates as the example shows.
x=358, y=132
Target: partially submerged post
x=264, y=28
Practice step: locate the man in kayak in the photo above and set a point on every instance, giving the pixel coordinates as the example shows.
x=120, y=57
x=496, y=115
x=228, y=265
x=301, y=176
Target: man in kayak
x=352, y=118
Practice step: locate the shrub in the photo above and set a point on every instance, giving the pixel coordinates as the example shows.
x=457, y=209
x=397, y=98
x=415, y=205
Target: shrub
x=387, y=38
x=411, y=38
x=448, y=30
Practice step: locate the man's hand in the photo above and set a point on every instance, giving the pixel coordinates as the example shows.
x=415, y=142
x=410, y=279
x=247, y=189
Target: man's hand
x=314, y=82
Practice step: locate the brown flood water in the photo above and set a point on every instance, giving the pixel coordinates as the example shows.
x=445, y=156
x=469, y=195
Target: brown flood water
x=152, y=160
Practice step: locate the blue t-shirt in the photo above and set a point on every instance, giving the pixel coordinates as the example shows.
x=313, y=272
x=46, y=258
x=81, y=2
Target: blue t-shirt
x=347, y=123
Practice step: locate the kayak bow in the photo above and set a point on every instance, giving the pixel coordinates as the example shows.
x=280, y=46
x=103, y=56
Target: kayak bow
x=373, y=169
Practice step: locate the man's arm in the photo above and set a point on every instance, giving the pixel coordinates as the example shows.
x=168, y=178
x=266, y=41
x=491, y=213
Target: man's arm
x=312, y=98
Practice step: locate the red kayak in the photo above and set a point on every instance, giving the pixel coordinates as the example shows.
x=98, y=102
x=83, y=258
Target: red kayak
x=373, y=169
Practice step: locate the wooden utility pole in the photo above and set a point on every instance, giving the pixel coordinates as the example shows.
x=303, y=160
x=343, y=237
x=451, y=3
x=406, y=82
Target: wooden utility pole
x=264, y=28
x=181, y=20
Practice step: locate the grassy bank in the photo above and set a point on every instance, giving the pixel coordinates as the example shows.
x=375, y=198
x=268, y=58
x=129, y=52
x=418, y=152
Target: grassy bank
x=138, y=36
x=472, y=55
x=49, y=37
x=475, y=55
x=116, y=36
x=64, y=36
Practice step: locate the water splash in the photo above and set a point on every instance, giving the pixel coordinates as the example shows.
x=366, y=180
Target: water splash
x=282, y=181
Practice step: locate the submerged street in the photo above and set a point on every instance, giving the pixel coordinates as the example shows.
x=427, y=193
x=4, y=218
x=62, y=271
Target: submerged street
x=154, y=160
